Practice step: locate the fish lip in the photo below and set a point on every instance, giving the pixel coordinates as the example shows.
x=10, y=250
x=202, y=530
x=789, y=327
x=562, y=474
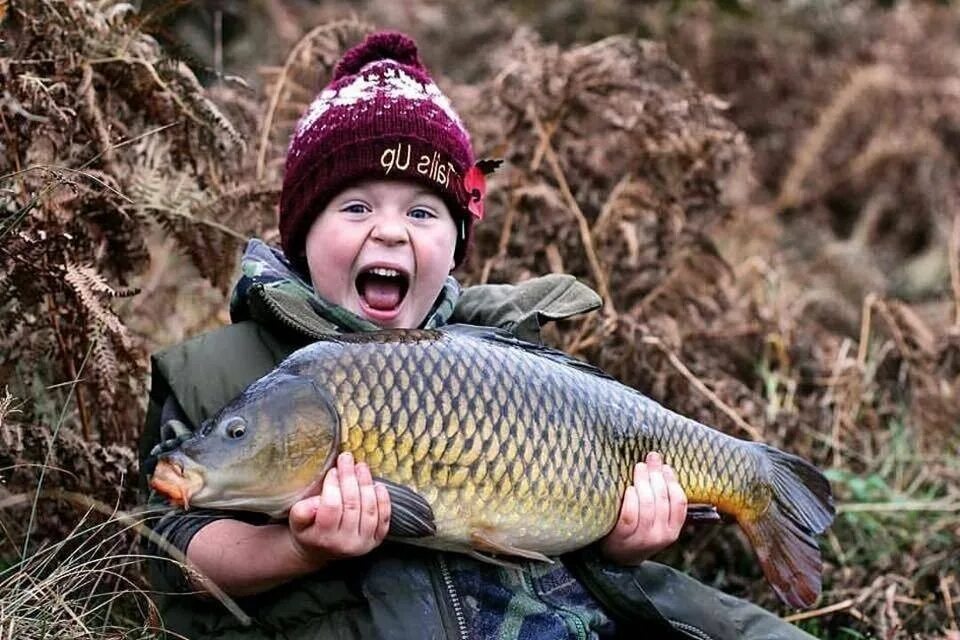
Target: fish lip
x=177, y=479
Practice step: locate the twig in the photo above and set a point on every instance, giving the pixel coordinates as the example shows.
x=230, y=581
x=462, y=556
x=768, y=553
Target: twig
x=159, y=81
x=840, y=402
x=549, y=129
x=505, y=232
x=724, y=333
x=14, y=148
x=816, y=613
x=49, y=455
x=210, y=223
x=281, y=80
x=849, y=452
x=657, y=291
x=883, y=310
x=948, y=599
x=868, y=302
x=598, y=273
x=9, y=224
x=955, y=266
x=606, y=212
x=53, y=169
x=791, y=189
x=64, y=606
x=936, y=506
x=554, y=259
x=577, y=344
x=704, y=389
x=124, y=143
x=96, y=115
x=134, y=520
x=75, y=376
x=218, y=42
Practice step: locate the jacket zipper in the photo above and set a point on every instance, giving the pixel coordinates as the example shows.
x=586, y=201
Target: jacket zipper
x=689, y=629
x=454, y=598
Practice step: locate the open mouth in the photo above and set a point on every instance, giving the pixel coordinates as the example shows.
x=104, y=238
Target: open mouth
x=382, y=289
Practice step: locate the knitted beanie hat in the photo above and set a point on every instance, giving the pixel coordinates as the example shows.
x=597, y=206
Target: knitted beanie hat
x=380, y=117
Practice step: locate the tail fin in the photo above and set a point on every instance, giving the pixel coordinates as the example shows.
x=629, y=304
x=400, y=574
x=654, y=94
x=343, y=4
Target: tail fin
x=784, y=535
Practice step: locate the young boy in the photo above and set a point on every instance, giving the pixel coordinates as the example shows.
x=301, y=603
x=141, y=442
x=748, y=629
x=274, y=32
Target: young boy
x=375, y=213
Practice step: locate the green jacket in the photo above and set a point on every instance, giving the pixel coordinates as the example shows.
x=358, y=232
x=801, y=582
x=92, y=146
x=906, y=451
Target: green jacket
x=399, y=591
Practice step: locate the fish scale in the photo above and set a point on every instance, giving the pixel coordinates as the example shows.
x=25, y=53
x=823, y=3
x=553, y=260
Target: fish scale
x=488, y=444
x=455, y=394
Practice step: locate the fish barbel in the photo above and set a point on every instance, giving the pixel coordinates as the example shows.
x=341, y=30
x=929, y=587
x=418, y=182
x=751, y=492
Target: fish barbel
x=489, y=445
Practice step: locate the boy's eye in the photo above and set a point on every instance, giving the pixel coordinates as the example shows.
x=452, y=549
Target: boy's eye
x=356, y=207
x=421, y=213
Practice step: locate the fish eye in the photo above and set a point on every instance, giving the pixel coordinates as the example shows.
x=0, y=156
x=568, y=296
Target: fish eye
x=235, y=428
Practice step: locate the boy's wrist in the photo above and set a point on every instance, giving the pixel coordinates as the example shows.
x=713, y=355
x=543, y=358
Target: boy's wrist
x=305, y=558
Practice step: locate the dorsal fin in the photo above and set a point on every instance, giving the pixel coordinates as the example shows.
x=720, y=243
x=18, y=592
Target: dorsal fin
x=504, y=337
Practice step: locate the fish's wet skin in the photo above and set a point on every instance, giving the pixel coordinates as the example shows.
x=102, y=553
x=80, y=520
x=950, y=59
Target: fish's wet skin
x=490, y=446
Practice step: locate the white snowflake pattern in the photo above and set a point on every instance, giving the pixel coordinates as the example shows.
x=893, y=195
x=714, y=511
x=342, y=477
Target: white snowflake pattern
x=392, y=82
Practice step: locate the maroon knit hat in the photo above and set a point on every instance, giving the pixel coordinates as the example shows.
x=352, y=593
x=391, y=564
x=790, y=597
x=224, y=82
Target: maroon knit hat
x=380, y=117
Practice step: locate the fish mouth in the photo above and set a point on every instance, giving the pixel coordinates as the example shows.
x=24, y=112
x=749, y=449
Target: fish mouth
x=382, y=289
x=170, y=479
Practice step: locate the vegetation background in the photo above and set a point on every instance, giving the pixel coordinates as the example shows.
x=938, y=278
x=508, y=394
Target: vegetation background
x=766, y=195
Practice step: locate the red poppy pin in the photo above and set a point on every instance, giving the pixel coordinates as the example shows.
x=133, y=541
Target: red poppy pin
x=475, y=184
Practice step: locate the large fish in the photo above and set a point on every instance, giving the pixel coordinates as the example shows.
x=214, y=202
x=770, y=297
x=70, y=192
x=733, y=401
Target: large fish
x=489, y=445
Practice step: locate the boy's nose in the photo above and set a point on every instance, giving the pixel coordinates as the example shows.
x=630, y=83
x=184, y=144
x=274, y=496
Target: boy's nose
x=389, y=232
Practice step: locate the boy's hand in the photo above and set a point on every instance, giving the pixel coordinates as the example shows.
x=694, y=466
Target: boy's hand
x=651, y=517
x=350, y=517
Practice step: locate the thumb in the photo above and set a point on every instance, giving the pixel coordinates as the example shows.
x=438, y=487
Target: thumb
x=303, y=512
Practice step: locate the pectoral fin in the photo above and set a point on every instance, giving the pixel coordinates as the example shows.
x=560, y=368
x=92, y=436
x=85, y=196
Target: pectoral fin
x=410, y=514
x=484, y=543
x=477, y=555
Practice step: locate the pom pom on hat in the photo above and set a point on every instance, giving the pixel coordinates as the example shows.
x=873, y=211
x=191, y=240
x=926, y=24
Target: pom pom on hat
x=385, y=45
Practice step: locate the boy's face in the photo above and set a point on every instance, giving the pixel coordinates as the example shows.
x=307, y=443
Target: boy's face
x=382, y=249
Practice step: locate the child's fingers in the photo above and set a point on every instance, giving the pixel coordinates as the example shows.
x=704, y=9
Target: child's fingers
x=329, y=505
x=629, y=512
x=383, y=510
x=646, y=500
x=678, y=500
x=350, y=490
x=330, y=491
x=369, y=517
x=658, y=486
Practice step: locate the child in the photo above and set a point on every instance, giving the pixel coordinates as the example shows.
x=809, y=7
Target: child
x=374, y=215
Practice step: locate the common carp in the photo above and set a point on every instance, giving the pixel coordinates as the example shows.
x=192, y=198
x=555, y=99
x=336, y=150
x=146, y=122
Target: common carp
x=489, y=445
